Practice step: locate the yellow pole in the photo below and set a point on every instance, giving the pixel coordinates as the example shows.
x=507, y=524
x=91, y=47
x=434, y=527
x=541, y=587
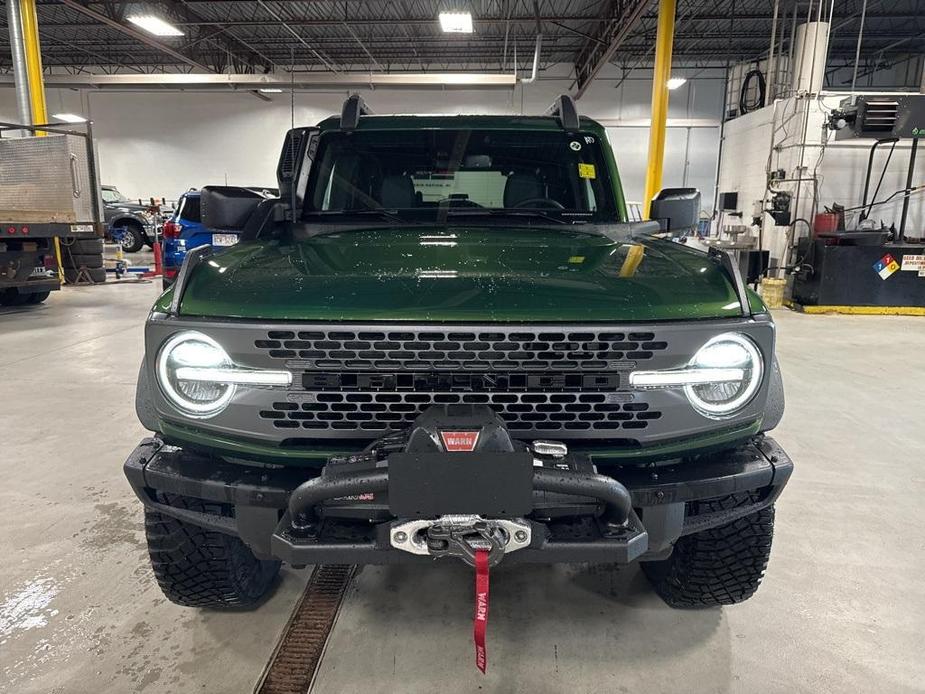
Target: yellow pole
x=30, y=33
x=661, y=73
x=33, y=51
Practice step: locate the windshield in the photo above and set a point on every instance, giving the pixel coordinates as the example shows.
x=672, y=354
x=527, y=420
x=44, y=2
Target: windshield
x=113, y=195
x=427, y=175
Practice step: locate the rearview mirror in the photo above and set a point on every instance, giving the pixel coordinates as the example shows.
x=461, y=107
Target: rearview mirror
x=228, y=207
x=676, y=209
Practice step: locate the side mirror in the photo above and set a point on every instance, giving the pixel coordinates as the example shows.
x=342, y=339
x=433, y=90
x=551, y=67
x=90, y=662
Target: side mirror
x=295, y=162
x=676, y=209
x=228, y=207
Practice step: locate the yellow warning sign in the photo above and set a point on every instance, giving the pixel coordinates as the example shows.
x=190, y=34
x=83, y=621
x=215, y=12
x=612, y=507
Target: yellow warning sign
x=587, y=171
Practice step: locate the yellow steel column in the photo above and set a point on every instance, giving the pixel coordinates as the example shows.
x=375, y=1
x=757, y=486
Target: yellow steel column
x=33, y=51
x=660, y=74
x=30, y=33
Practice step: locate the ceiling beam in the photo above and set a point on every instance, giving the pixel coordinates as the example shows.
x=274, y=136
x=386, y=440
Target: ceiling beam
x=622, y=19
x=136, y=34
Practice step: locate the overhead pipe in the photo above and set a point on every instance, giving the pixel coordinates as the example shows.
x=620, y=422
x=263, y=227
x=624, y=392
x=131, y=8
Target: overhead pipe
x=20, y=73
x=536, y=51
x=769, y=94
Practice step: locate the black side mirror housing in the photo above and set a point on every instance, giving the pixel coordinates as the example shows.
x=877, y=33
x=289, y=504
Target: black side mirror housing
x=295, y=161
x=676, y=209
x=228, y=207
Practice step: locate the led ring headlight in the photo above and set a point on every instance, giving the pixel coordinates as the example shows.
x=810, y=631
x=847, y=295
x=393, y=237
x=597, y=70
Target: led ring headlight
x=721, y=379
x=193, y=350
x=199, y=378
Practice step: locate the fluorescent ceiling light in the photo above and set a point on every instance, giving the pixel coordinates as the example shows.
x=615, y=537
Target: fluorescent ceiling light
x=270, y=90
x=456, y=22
x=154, y=25
x=69, y=118
x=676, y=82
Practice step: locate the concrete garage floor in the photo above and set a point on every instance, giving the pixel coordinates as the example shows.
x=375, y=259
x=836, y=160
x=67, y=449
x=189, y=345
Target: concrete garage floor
x=842, y=608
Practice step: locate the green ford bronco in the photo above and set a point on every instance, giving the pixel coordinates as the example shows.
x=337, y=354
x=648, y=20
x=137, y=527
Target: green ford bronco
x=445, y=339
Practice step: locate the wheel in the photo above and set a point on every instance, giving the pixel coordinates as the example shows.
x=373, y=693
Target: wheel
x=719, y=566
x=38, y=297
x=92, y=246
x=97, y=275
x=195, y=567
x=79, y=260
x=12, y=297
x=133, y=238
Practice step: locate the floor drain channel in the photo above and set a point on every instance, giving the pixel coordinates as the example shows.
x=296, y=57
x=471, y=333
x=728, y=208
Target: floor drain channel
x=299, y=651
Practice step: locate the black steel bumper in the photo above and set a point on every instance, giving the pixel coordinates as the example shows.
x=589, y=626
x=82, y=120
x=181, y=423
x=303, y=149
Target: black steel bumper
x=575, y=516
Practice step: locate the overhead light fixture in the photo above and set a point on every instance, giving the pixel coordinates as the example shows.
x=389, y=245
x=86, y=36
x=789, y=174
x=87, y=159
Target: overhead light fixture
x=676, y=82
x=69, y=117
x=154, y=25
x=270, y=90
x=456, y=22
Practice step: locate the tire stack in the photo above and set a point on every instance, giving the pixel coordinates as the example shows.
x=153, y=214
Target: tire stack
x=83, y=254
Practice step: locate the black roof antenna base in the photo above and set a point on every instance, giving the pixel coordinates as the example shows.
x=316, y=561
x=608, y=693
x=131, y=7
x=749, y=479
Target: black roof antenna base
x=564, y=109
x=354, y=107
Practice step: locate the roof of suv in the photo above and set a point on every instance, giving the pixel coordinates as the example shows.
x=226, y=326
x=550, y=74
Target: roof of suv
x=448, y=122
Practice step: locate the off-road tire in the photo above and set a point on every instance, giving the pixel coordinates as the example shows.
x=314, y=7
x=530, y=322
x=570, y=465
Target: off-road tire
x=719, y=566
x=12, y=297
x=134, y=238
x=92, y=246
x=195, y=567
x=96, y=275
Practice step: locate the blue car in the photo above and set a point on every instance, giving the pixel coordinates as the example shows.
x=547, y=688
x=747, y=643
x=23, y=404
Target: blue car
x=185, y=230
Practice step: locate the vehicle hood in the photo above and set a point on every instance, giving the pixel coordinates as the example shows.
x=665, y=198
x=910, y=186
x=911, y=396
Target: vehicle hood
x=416, y=273
x=132, y=207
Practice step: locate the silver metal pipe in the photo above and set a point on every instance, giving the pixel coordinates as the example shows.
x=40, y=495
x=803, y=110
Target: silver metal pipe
x=539, y=46
x=20, y=75
x=857, y=50
x=769, y=92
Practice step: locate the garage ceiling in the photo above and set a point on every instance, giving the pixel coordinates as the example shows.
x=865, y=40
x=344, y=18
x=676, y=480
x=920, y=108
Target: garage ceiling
x=395, y=36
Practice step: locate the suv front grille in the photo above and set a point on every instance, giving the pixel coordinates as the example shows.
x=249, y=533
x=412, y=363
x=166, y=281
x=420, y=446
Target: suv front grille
x=540, y=412
x=441, y=350
x=354, y=381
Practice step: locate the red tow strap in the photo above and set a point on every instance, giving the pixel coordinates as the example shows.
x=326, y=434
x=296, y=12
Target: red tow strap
x=480, y=623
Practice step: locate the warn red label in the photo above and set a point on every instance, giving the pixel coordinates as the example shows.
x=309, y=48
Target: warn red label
x=459, y=441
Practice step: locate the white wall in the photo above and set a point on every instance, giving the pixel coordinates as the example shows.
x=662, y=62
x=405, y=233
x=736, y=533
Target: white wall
x=160, y=144
x=839, y=168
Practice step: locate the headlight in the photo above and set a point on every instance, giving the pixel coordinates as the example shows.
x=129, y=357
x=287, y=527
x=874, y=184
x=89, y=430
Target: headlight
x=192, y=350
x=721, y=379
x=199, y=378
x=739, y=361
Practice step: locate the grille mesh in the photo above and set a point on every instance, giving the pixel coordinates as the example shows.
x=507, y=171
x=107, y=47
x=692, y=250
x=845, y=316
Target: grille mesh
x=481, y=350
x=540, y=412
x=364, y=381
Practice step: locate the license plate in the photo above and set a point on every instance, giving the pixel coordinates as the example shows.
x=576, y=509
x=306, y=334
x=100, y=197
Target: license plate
x=224, y=239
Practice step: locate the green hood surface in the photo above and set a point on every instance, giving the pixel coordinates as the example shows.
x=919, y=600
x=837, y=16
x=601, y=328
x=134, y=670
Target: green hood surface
x=460, y=273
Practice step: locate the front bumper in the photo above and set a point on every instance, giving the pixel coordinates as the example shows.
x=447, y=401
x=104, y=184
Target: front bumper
x=348, y=518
